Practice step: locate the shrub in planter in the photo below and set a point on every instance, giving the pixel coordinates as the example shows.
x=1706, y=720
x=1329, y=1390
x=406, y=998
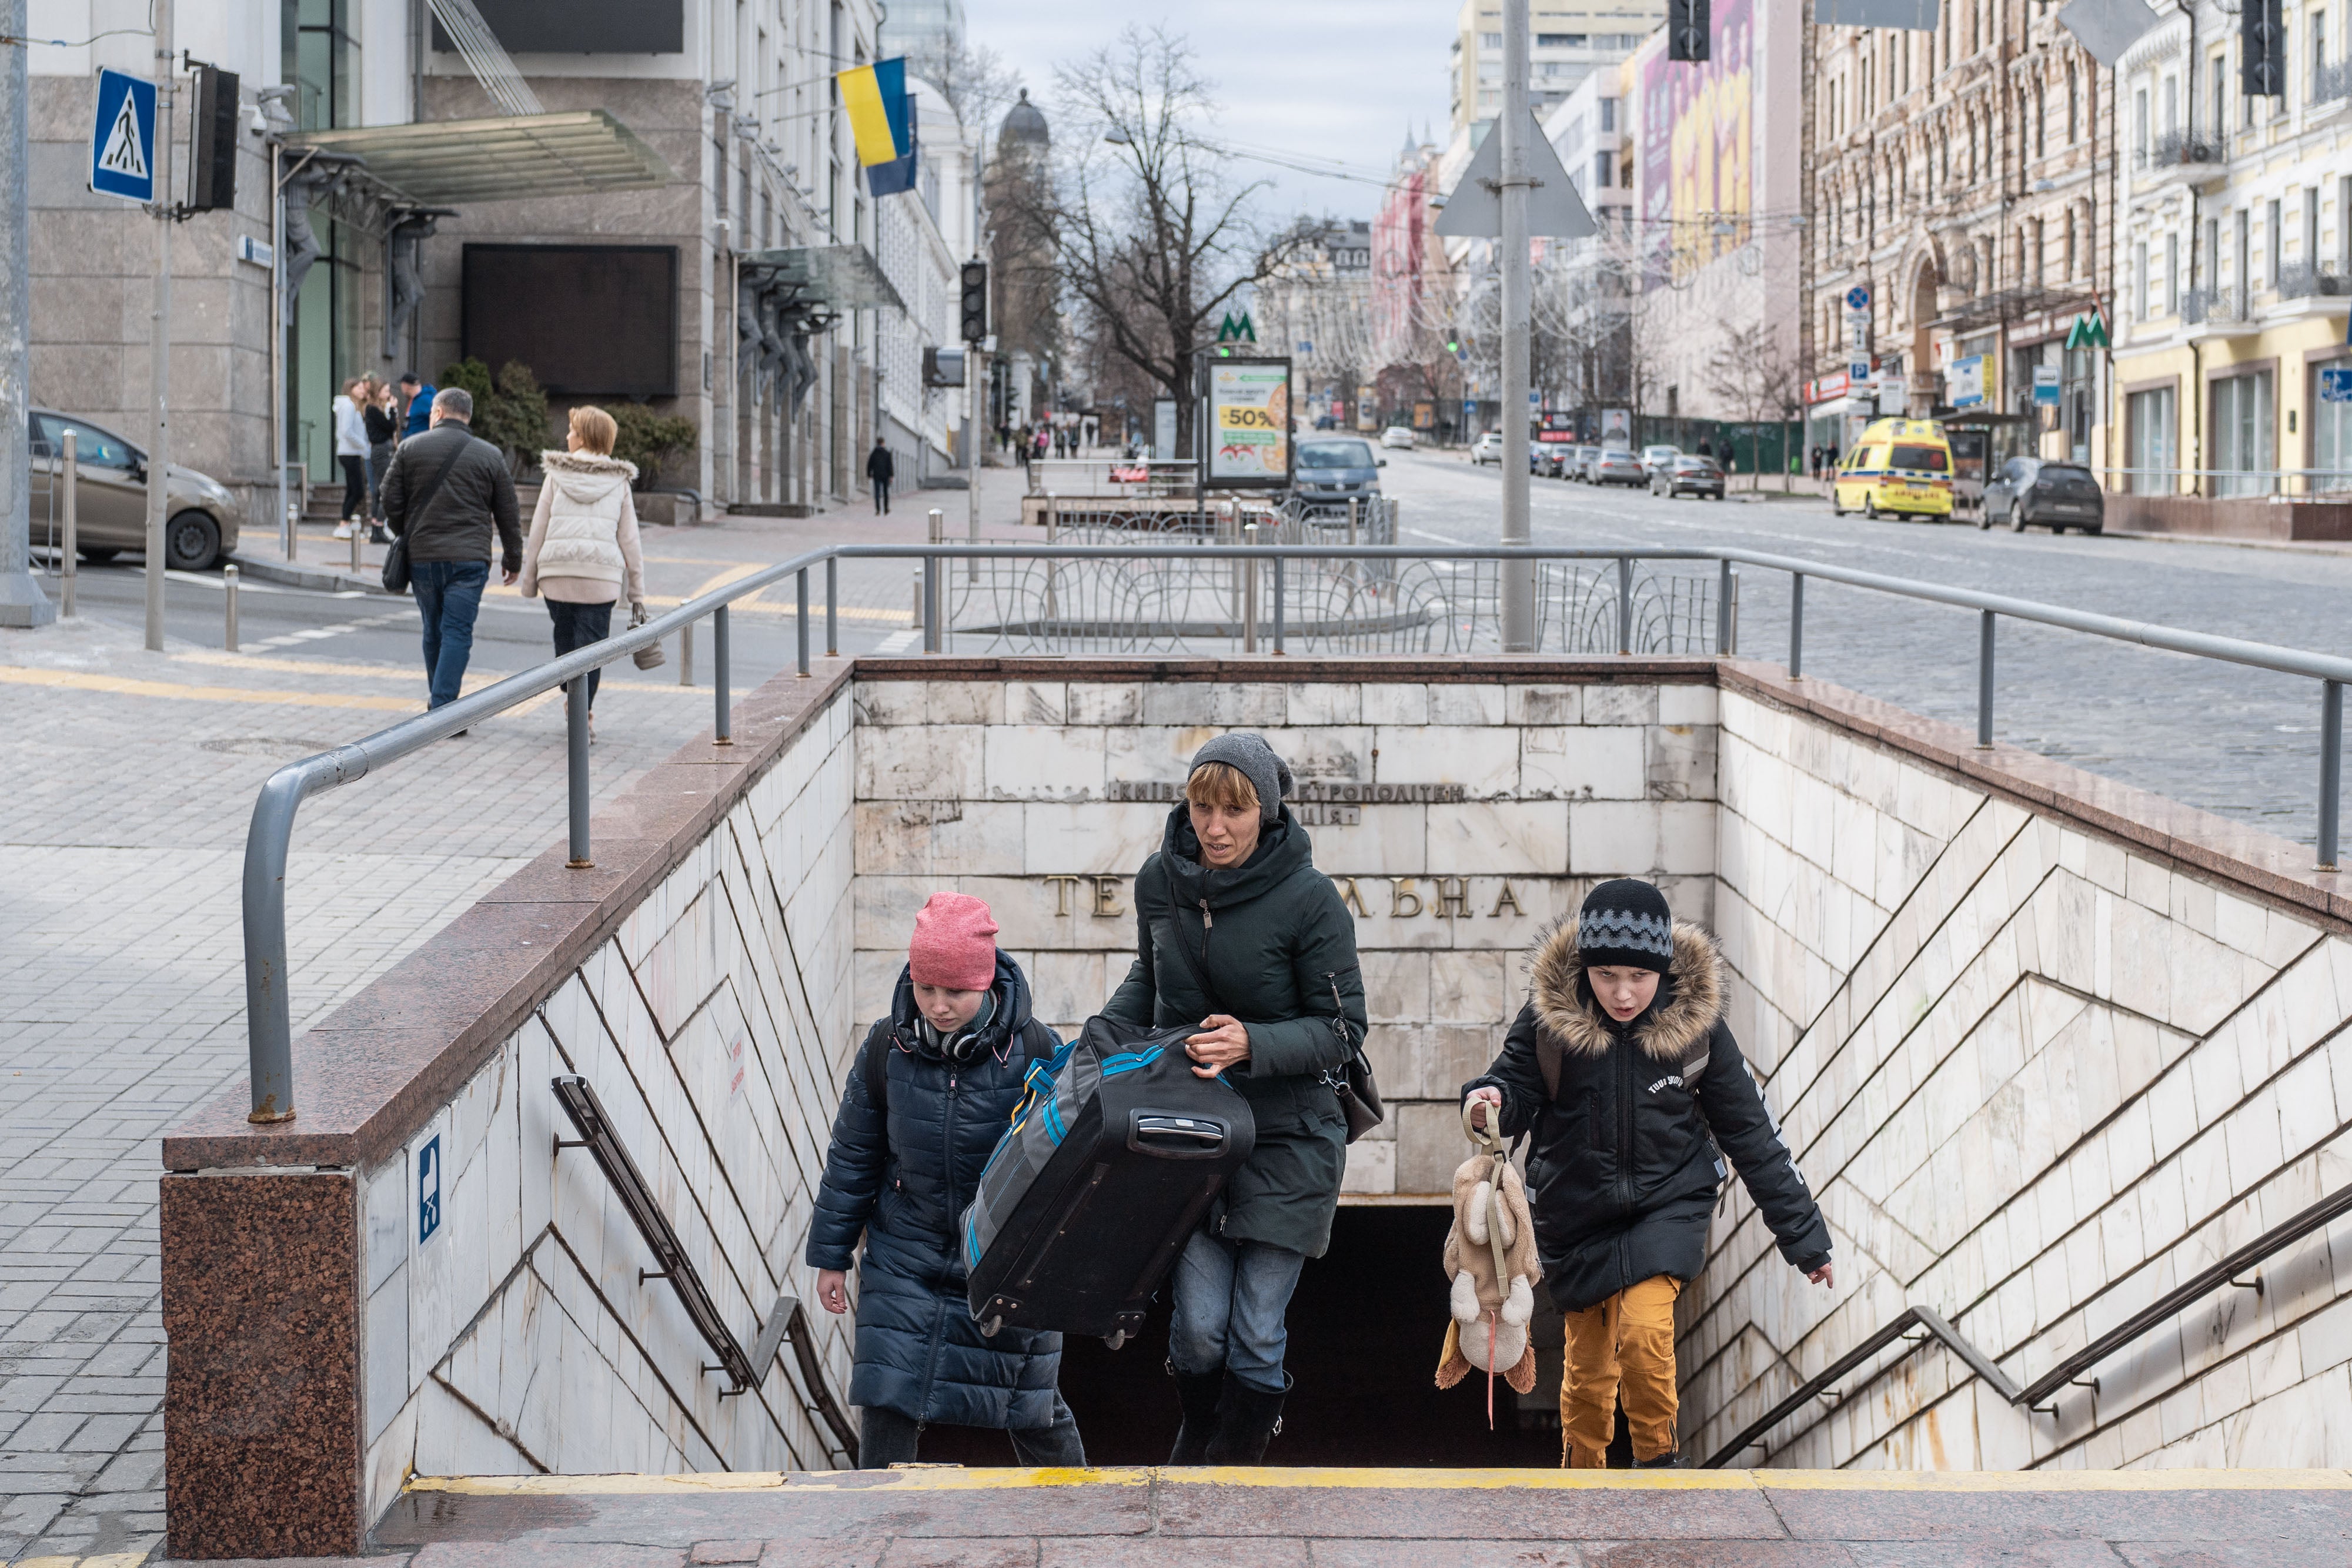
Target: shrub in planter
x=651, y=440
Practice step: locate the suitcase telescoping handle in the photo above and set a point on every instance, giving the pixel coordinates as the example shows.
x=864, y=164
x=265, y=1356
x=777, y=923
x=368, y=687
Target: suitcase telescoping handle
x=1168, y=1136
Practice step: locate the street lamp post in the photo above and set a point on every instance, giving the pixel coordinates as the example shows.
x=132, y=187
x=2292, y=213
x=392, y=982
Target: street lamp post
x=1518, y=586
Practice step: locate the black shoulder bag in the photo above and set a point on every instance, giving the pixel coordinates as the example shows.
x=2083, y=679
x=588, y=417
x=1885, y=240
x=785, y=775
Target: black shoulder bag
x=395, y=558
x=1359, y=1095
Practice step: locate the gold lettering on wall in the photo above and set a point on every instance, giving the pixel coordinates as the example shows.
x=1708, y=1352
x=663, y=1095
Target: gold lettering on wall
x=1400, y=894
x=1062, y=885
x=1506, y=896
x=1350, y=897
x=1453, y=897
x=1107, y=905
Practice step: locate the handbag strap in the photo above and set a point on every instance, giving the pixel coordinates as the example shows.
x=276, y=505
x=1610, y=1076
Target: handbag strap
x=423, y=498
x=1196, y=968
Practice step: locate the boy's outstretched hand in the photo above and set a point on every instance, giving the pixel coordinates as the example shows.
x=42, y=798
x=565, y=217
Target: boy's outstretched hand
x=832, y=1291
x=1820, y=1276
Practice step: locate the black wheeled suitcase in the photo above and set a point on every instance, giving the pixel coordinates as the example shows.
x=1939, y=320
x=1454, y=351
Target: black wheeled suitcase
x=1108, y=1167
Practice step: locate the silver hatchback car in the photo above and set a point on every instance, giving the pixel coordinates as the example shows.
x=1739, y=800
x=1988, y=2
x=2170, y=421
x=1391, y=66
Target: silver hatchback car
x=200, y=518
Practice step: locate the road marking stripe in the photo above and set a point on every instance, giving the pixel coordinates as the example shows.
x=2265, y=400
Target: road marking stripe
x=123, y=686
x=955, y=1479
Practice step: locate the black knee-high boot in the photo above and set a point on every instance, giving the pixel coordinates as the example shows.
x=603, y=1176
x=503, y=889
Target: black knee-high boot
x=1247, y=1418
x=1198, y=1392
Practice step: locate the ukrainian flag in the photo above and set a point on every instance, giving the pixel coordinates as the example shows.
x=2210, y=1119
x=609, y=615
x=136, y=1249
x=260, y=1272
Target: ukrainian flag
x=880, y=117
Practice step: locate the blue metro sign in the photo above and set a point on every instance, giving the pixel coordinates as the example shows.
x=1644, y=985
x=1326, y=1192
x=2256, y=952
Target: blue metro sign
x=123, y=138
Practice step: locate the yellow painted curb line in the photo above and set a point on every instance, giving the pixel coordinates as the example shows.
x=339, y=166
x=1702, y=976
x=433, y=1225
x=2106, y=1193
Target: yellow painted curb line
x=123, y=685
x=957, y=1479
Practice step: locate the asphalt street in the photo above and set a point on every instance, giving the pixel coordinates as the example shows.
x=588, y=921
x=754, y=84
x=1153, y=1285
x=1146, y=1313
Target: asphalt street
x=2237, y=741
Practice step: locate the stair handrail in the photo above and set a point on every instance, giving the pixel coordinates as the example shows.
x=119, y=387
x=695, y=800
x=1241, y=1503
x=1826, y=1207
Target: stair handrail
x=788, y=1318
x=2165, y=1307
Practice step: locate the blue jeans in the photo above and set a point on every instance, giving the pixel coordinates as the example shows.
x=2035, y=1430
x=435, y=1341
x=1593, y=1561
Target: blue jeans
x=449, y=596
x=1231, y=1299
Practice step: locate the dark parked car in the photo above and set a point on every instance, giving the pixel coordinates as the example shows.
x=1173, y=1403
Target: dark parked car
x=1687, y=474
x=1332, y=469
x=200, y=519
x=1616, y=465
x=2058, y=496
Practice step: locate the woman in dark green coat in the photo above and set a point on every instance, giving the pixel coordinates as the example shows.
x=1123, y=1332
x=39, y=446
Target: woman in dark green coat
x=1237, y=932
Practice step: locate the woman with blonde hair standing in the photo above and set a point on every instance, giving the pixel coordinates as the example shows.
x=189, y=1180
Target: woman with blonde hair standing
x=583, y=550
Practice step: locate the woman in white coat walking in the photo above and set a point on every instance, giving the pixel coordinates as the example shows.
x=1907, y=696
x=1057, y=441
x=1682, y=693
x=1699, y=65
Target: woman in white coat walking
x=582, y=551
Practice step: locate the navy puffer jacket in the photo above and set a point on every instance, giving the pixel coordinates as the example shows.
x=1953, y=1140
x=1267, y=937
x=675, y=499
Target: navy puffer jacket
x=919, y=1351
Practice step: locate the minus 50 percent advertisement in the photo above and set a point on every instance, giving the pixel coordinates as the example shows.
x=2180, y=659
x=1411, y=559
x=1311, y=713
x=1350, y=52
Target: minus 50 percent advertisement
x=1249, y=424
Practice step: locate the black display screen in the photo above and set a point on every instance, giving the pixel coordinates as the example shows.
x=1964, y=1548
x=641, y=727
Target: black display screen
x=581, y=26
x=591, y=321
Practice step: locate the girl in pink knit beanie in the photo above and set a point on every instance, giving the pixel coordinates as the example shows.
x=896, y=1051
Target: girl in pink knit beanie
x=929, y=1095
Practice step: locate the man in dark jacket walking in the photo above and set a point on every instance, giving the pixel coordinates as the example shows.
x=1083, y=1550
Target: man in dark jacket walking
x=1234, y=923
x=1621, y=1067
x=881, y=467
x=929, y=1095
x=446, y=491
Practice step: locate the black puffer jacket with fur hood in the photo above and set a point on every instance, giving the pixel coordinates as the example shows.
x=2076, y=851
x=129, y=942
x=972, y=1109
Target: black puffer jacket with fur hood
x=1624, y=1171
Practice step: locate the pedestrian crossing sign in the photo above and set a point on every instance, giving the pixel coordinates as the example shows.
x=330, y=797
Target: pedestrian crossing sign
x=123, y=138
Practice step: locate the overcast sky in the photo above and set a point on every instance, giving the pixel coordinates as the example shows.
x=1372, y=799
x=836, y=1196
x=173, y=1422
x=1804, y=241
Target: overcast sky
x=1330, y=80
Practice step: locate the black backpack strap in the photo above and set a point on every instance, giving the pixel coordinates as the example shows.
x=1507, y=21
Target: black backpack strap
x=874, y=1066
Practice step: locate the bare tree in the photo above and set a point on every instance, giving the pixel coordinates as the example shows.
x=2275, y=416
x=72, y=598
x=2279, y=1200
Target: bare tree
x=1756, y=371
x=1153, y=239
x=976, y=82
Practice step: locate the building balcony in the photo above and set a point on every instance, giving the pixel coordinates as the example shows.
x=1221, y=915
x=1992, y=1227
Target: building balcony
x=2217, y=312
x=2331, y=92
x=2178, y=157
x=2307, y=280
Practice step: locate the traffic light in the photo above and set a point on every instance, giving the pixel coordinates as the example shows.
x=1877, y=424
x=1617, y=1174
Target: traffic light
x=1688, y=26
x=2261, y=50
x=212, y=172
x=975, y=301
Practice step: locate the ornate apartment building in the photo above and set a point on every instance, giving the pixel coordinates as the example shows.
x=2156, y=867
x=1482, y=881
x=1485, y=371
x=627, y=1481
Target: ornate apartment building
x=1963, y=177
x=2236, y=275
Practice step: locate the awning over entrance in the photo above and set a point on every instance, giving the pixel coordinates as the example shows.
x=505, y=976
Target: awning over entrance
x=838, y=277
x=446, y=162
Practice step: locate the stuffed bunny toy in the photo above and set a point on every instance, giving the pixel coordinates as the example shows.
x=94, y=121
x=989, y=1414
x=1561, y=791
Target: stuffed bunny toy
x=1490, y=1255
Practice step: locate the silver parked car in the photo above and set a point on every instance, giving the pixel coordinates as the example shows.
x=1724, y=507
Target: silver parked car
x=200, y=518
x=1616, y=465
x=2058, y=496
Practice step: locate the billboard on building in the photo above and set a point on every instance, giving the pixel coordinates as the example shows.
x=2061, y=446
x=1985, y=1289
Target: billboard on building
x=1697, y=148
x=1249, y=422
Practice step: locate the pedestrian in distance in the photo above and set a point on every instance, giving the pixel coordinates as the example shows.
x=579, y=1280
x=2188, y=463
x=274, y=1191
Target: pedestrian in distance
x=583, y=552
x=448, y=492
x=383, y=421
x=1622, y=1069
x=352, y=455
x=1234, y=923
x=416, y=405
x=929, y=1095
x=881, y=468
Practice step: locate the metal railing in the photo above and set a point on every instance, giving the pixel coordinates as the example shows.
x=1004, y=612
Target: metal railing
x=2312, y=281
x=1931, y=1326
x=2219, y=307
x=2229, y=484
x=269, y=838
x=2179, y=150
x=745, y=1370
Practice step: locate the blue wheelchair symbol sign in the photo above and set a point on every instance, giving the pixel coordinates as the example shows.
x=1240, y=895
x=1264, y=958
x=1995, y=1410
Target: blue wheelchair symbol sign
x=123, y=138
x=428, y=1189
x=2335, y=386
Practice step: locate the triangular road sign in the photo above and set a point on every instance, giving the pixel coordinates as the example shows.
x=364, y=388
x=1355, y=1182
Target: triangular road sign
x=1475, y=209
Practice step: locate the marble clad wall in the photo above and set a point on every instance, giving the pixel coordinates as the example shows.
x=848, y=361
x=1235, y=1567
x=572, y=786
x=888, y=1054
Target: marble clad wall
x=1019, y=793
x=2036, y=1079
x=714, y=1026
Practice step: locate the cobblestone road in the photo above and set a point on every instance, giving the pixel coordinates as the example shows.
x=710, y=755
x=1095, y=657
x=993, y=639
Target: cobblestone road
x=2236, y=741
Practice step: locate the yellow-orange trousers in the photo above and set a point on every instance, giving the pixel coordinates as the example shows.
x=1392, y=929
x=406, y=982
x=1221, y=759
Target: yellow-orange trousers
x=1623, y=1347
